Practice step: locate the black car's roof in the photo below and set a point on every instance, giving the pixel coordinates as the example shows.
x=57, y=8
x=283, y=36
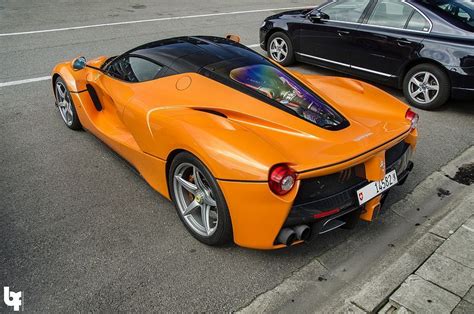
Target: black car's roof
x=192, y=53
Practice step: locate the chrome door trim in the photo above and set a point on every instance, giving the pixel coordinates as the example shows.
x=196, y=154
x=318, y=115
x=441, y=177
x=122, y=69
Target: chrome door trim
x=345, y=65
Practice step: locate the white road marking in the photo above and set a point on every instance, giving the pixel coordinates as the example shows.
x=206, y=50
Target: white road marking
x=45, y=78
x=26, y=81
x=467, y=228
x=148, y=21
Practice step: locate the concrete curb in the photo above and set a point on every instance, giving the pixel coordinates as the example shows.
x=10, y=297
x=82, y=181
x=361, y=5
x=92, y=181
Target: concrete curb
x=376, y=292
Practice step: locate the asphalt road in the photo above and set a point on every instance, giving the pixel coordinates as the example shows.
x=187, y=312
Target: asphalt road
x=78, y=228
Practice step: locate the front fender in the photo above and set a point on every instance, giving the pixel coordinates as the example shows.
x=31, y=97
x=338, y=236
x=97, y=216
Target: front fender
x=75, y=80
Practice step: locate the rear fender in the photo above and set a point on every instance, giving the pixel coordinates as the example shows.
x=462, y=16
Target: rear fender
x=228, y=149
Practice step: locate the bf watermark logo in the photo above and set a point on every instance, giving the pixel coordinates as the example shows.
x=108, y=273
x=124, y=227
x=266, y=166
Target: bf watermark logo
x=12, y=298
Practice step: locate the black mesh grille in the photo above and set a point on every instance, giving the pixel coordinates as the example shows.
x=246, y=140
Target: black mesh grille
x=339, y=190
x=394, y=153
x=328, y=186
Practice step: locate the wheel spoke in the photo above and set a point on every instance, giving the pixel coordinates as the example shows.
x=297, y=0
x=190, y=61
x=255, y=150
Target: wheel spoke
x=210, y=201
x=416, y=93
x=61, y=92
x=415, y=81
x=426, y=94
x=191, y=207
x=197, y=179
x=205, y=211
x=426, y=78
x=279, y=58
x=433, y=87
x=191, y=188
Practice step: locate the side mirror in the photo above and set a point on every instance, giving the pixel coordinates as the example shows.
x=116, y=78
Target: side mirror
x=232, y=37
x=79, y=63
x=316, y=16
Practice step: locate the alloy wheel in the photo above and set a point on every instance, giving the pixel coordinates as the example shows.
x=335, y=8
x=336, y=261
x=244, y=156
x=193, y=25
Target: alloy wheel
x=64, y=103
x=423, y=87
x=195, y=199
x=278, y=49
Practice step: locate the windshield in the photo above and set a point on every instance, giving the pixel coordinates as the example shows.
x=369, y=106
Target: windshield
x=277, y=85
x=460, y=10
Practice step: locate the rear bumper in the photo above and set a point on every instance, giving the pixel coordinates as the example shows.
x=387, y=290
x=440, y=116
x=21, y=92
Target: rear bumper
x=462, y=82
x=347, y=214
x=258, y=215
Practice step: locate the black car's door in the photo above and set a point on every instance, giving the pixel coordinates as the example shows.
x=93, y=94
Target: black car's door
x=389, y=37
x=328, y=40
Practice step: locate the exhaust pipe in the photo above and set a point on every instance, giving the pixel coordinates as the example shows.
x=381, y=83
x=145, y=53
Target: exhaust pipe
x=303, y=232
x=286, y=236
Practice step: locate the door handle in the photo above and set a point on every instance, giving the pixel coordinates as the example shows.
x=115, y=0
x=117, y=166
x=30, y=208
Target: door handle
x=403, y=42
x=384, y=37
x=343, y=33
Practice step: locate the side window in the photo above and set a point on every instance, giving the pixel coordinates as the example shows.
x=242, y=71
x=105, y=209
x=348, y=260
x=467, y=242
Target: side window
x=390, y=13
x=418, y=23
x=346, y=10
x=134, y=69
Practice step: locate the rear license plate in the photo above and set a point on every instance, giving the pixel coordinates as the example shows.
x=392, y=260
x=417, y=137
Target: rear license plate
x=373, y=189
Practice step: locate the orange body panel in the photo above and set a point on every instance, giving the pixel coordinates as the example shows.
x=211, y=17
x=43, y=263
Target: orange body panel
x=146, y=122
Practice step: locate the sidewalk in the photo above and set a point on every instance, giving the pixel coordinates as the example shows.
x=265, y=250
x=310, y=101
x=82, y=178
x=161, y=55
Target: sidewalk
x=435, y=275
x=443, y=283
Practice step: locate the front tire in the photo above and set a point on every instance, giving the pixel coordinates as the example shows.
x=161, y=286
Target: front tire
x=199, y=201
x=65, y=105
x=426, y=86
x=280, y=49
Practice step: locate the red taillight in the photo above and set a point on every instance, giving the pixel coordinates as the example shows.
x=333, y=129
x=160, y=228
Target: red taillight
x=413, y=118
x=327, y=213
x=281, y=179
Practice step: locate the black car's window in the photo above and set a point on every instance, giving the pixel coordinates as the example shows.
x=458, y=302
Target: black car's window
x=461, y=10
x=346, y=10
x=390, y=13
x=133, y=69
x=418, y=23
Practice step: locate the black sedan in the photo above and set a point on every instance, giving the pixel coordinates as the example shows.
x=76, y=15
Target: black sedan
x=425, y=47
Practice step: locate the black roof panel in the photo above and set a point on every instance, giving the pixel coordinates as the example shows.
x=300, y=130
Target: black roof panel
x=190, y=54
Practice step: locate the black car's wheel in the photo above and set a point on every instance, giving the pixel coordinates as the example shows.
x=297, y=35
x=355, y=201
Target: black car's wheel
x=280, y=49
x=65, y=105
x=199, y=201
x=426, y=86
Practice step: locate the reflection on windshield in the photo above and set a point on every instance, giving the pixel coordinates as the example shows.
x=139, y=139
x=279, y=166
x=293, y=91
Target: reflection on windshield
x=279, y=86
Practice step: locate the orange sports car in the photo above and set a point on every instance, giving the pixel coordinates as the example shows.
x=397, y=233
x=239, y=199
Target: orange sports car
x=247, y=150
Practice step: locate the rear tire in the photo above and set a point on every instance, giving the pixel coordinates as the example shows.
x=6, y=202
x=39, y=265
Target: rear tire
x=65, y=105
x=426, y=86
x=207, y=197
x=280, y=49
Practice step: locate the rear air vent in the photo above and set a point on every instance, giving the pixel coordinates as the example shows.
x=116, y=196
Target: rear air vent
x=214, y=112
